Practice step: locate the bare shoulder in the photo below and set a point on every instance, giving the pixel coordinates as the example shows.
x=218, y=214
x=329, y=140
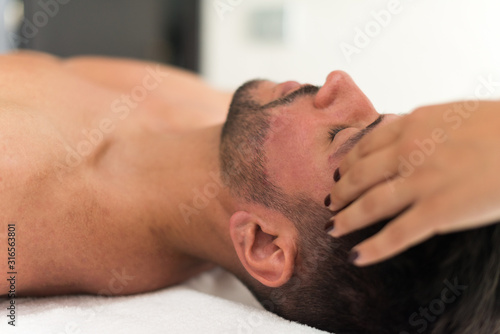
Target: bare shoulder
x=186, y=94
x=123, y=72
x=27, y=61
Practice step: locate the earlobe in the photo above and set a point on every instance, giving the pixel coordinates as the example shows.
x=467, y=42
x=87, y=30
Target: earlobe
x=267, y=252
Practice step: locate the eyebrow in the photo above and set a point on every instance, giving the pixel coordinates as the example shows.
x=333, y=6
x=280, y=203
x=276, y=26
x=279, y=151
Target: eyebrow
x=354, y=139
x=290, y=98
x=374, y=123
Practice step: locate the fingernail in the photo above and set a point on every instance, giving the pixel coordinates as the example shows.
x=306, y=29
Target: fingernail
x=328, y=200
x=353, y=255
x=329, y=226
x=336, y=175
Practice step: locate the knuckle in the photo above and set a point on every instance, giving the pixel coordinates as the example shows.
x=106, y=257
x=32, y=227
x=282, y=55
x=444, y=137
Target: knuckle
x=356, y=175
x=394, y=235
x=427, y=222
x=429, y=210
x=376, y=246
x=363, y=147
x=369, y=204
x=337, y=197
x=344, y=223
x=347, y=162
x=426, y=208
x=407, y=146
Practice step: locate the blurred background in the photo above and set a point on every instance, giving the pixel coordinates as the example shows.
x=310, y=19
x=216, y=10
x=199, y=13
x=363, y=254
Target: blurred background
x=402, y=54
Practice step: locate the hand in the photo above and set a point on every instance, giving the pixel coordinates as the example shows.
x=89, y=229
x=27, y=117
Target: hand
x=436, y=170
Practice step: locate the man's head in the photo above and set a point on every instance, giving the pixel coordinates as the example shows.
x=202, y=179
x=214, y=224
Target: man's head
x=300, y=130
x=279, y=148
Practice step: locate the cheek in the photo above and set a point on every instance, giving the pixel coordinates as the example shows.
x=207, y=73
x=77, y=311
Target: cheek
x=292, y=163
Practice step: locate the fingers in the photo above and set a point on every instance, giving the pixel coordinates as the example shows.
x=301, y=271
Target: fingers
x=383, y=201
x=378, y=167
x=419, y=223
x=378, y=139
x=397, y=236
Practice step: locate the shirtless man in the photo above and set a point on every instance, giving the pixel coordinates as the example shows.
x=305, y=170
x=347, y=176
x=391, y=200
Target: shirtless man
x=115, y=167
x=103, y=161
x=96, y=157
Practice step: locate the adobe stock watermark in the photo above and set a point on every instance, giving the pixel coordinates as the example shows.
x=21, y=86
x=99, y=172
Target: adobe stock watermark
x=428, y=315
x=223, y=7
x=30, y=27
x=364, y=36
x=202, y=197
x=11, y=273
x=455, y=116
x=120, y=109
x=117, y=283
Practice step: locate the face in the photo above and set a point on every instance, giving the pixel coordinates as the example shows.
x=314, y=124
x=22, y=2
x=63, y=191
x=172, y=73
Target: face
x=312, y=129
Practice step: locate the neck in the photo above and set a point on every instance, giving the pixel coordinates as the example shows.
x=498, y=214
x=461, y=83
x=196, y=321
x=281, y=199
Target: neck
x=199, y=209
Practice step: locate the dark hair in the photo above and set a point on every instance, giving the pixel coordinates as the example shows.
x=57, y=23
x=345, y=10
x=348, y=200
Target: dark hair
x=242, y=158
x=449, y=284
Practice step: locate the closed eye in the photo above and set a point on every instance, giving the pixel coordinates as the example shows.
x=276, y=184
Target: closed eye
x=334, y=131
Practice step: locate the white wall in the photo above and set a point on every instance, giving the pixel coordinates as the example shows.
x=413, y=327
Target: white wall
x=428, y=51
x=4, y=46
x=10, y=16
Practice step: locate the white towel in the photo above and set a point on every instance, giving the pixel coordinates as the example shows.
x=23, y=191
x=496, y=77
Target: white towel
x=214, y=302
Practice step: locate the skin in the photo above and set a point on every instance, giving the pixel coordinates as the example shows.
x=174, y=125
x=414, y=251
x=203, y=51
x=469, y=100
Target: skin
x=453, y=187
x=121, y=208
x=118, y=210
x=301, y=155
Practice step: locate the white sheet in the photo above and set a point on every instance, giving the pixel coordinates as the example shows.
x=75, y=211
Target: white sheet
x=214, y=302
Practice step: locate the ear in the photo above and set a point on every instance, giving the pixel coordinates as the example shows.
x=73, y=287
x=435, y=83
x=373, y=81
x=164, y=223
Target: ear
x=267, y=252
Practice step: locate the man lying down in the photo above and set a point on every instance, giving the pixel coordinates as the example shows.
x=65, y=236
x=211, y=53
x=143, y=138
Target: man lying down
x=116, y=165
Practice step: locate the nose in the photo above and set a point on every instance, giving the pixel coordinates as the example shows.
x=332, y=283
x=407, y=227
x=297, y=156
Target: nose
x=334, y=83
